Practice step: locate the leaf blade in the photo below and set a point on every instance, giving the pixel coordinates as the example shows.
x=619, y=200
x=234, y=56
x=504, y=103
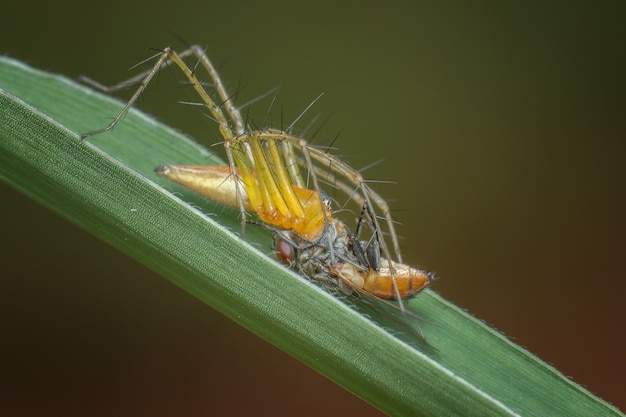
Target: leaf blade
x=471, y=372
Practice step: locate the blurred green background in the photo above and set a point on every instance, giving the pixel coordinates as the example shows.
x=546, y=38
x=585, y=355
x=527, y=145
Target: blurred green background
x=501, y=124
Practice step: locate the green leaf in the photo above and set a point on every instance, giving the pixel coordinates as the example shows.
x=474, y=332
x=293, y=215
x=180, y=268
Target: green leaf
x=108, y=186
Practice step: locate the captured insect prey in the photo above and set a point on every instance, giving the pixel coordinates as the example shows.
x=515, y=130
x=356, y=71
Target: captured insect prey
x=279, y=177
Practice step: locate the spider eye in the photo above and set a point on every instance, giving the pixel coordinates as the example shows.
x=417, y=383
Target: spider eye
x=284, y=252
x=326, y=200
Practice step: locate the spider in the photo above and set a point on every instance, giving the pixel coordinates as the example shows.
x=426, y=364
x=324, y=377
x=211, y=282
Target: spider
x=265, y=176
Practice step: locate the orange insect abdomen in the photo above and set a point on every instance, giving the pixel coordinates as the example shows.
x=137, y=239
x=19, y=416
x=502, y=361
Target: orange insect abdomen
x=409, y=281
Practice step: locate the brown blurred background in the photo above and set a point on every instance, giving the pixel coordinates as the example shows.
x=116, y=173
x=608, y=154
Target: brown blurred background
x=503, y=126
